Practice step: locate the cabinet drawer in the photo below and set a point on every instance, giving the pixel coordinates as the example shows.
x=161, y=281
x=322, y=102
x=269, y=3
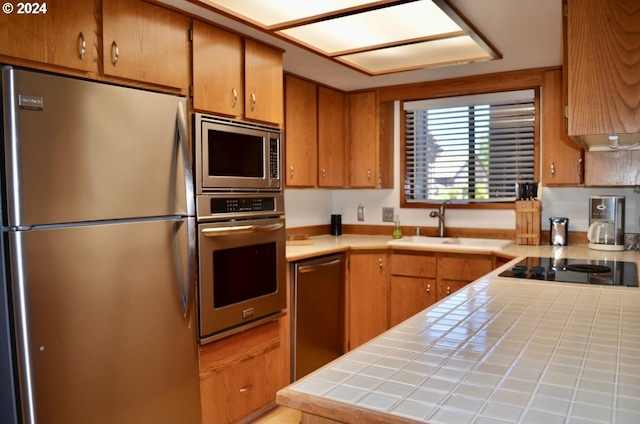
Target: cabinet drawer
x=464, y=267
x=413, y=265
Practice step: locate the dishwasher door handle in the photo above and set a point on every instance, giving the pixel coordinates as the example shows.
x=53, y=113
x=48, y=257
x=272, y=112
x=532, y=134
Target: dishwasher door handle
x=313, y=268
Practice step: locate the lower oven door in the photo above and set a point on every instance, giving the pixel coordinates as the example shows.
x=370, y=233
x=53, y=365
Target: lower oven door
x=241, y=275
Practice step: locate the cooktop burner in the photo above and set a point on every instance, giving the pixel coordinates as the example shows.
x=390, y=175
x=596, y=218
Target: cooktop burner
x=601, y=272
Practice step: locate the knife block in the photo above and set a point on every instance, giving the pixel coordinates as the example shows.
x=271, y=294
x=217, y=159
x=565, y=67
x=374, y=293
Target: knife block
x=528, y=222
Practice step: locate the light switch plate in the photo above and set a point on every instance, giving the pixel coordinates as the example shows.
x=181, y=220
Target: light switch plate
x=360, y=213
x=387, y=214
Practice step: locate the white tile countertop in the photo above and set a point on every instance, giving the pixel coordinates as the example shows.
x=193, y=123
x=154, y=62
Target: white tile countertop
x=501, y=350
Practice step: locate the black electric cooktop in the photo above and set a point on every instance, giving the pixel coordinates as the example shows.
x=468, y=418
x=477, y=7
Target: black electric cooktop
x=581, y=271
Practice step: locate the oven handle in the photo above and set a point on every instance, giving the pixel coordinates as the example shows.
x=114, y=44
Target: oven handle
x=240, y=229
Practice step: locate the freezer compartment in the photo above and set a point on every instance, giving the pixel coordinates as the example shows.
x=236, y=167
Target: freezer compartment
x=80, y=151
x=103, y=336
x=318, y=313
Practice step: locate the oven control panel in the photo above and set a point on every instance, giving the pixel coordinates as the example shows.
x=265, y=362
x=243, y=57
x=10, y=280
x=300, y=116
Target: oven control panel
x=235, y=205
x=241, y=205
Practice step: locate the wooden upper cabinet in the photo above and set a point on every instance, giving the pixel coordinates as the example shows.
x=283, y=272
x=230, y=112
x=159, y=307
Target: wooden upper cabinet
x=371, y=141
x=364, y=136
x=332, y=134
x=145, y=42
x=66, y=35
x=602, y=60
x=562, y=163
x=217, y=70
x=263, y=95
x=301, y=127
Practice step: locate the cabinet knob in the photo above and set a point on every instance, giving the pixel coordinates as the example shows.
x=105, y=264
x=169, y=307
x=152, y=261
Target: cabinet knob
x=428, y=288
x=553, y=168
x=234, y=92
x=291, y=171
x=115, y=53
x=253, y=101
x=246, y=389
x=82, y=46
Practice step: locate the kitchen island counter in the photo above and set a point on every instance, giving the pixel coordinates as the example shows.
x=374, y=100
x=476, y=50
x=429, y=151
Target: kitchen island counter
x=500, y=350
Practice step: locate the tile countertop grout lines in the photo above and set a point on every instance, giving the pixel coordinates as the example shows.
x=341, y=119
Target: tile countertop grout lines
x=542, y=382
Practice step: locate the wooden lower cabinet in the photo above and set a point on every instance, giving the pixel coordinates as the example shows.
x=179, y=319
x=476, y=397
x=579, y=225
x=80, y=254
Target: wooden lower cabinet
x=456, y=270
x=419, y=279
x=412, y=284
x=367, y=296
x=240, y=375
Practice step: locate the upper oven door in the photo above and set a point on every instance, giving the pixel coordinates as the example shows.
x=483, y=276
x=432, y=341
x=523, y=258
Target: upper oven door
x=232, y=155
x=241, y=273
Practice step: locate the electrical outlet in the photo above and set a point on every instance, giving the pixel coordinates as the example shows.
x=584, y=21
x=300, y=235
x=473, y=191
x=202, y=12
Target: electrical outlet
x=387, y=214
x=360, y=213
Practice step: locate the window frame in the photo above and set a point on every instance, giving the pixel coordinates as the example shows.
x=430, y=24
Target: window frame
x=482, y=84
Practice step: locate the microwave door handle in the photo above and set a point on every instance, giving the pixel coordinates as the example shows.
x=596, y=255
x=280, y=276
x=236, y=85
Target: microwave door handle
x=240, y=229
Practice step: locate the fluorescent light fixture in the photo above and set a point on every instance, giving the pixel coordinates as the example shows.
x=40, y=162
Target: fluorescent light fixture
x=374, y=37
x=271, y=13
x=419, y=20
x=447, y=51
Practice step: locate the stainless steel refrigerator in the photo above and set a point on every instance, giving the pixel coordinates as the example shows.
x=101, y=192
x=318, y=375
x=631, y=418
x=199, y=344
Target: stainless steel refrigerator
x=98, y=255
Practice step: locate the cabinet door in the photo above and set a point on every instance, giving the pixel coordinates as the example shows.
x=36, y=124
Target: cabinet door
x=63, y=34
x=217, y=71
x=263, y=83
x=612, y=168
x=367, y=297
x=408, y=296
x=145, y=42
x=364, y=137
x=301, y=133
x=561, y=157
x=242, y=373
x=602, y=61
x=331, y=138
x=457, y=270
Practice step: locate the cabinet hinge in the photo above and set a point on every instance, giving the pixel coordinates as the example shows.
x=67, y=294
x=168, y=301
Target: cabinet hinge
x=565, y=112
x=191, y=35
x=565, y=10
x=191, y=91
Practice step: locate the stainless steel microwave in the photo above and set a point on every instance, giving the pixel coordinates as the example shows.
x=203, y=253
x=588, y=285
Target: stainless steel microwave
x=234, y=155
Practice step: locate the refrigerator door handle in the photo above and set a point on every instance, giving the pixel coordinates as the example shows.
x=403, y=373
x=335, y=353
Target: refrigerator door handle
x=183, y=141
x=186, y=282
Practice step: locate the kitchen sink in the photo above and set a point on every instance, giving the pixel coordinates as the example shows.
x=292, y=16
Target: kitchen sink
x=451, y=243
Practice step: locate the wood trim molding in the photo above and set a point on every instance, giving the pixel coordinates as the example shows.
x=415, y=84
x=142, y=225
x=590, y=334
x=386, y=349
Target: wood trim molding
x=501, y=81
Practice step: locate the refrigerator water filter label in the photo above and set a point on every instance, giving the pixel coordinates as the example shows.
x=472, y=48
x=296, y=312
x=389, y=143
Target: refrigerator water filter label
x=30, y=102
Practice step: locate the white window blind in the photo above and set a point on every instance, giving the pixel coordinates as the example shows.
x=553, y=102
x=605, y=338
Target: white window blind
x=472, y=148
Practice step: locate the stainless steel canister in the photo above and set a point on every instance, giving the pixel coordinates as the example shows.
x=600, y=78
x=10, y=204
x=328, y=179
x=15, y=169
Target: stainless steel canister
x=558, y=231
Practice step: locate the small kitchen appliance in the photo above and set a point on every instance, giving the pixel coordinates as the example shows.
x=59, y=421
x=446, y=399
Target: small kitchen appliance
x=606, y=222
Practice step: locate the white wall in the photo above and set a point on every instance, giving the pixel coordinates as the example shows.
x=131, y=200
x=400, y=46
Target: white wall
x=308, y=207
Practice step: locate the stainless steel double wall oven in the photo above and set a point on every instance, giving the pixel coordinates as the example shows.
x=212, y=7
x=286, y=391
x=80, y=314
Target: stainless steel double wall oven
x=241, y=231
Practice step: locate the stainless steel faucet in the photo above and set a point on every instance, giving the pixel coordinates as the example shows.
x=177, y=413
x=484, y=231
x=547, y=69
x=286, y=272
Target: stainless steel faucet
x=440, y=215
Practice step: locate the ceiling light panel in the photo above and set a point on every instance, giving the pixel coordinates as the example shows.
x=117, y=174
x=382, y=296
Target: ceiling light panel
x=404, y=23
x=276, y=12
x=419, y=55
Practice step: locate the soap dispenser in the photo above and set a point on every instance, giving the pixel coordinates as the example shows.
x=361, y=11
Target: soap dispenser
x=397, y=231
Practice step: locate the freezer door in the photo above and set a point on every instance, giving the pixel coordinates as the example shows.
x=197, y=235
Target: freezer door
x=80, y=151
x=103, y=335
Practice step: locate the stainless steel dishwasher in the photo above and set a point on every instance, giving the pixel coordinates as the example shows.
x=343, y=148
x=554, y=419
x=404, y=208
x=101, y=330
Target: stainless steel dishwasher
x=317, y=327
